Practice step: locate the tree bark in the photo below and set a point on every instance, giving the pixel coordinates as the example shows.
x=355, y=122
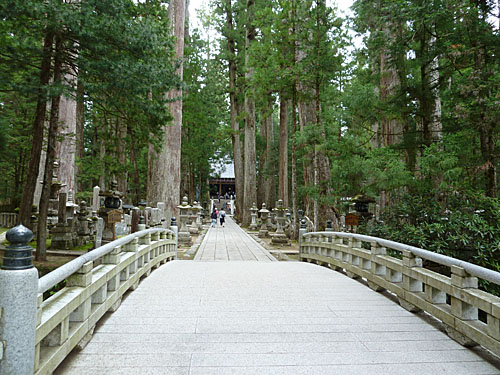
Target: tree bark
x=66, y=146
x=294, y=166
x=164, y=173
x=122, y=178
x=234, y=112
x=250, y=188
x=80, y=119
x=268, y=180
x=283, y=171
x=41, y=250
x=38, y=130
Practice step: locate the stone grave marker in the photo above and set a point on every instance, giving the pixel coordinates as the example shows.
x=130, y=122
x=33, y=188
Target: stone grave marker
x=99, y=230
x=121, y=229
x=136, y=214
x=95, y=198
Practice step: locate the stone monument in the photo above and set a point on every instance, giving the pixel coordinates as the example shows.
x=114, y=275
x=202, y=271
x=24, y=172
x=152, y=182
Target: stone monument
x=55, y=186
x=264, y=213
x=195, y=208
x=111, y=212
x=82, y=224
x=184, y=215
x=62, y=232
x=279, y=237
x=253, y=224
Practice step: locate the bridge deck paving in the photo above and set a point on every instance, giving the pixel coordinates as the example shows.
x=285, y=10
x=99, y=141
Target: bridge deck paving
x=241, y=317
x=231, y=243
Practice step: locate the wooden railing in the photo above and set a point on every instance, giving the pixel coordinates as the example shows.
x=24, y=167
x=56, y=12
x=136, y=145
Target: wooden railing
x=455, y=300
x=67, y=318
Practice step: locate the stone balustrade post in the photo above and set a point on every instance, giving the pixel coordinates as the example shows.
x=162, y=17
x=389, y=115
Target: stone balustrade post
x=142, y=223
x=18, y=304
x=376, y=268
x=461, y=279
x=81, y=278
x=410, y=284
x=302, y=231
x=175, y=229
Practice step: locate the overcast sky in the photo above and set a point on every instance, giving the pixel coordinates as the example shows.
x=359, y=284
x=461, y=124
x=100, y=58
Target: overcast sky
x=343, y=5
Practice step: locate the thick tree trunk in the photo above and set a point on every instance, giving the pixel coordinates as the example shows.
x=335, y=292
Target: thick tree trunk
x=122, y=177
x=250, y=188
x=164, y=173
x=136, y=181
x=41, y=250
x=66, y=147
x=38, y=130
x=80, y=118
x=102, y=156
x=283, y=172
x=436, y=124
x=268, y=181
x=294, y=166
x=234, y=111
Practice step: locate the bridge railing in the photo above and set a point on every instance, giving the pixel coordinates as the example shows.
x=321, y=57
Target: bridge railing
x=67, y=318
x=455, y=300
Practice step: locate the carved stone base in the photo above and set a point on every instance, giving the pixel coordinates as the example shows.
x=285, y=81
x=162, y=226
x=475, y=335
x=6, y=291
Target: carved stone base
x=86, y=339
x=135, y=285
x=279, y=238
x=408, y=306
x=375, y=287
x=184, y=238
x=352, y=275
x=458, y=337
x=115, y=305
x=263, y=233
x=62, y=237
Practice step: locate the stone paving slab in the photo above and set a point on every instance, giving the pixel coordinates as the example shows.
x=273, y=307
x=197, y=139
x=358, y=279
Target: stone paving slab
x=231, y=243
x=237, y=317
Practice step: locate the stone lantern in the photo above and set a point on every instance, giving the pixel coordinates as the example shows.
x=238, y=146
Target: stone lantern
x=55, y=186
x=184, y=216
x=253, y=210
x=83, y=229
x=280, y=236
x=195, y=209
x=199, y=214
x=70, y=207
x=264, y=214
x=111, y=212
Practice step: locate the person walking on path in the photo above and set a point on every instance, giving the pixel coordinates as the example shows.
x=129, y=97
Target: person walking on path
x=222, y=217
x=213, y=216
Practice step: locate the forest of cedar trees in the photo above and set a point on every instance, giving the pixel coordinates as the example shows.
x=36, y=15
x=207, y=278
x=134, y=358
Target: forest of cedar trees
x=394, y=102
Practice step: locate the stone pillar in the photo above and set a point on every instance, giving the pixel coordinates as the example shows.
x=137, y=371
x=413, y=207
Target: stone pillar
x=410, y=284
x=98, y=233
x=175, y=229
x=18, y=304
x=302, y=231
x=136, y=214
x=95, y=198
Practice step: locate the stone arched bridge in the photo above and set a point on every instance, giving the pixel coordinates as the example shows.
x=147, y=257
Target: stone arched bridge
x=235, y=310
